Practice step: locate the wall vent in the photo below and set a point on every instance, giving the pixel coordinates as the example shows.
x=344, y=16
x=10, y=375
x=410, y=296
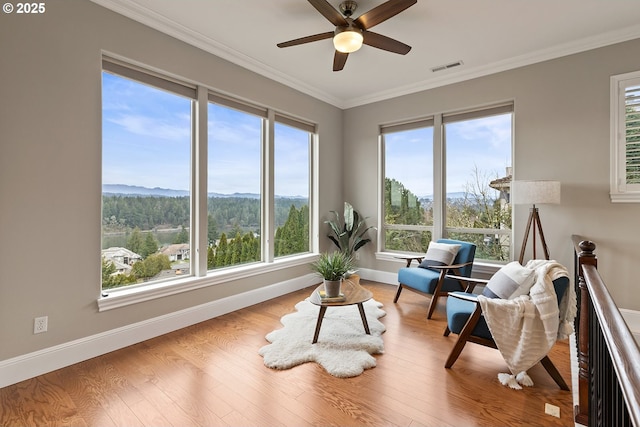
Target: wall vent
x=447, y=66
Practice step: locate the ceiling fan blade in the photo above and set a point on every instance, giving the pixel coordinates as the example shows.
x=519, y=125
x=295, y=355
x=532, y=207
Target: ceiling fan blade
x=339, y=59
x=329, y=12
x=382, y=13
x=308, y=39
x=385, y=43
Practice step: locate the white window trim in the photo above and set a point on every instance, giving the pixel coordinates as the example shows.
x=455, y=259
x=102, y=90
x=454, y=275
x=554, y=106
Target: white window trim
x=486, y=268
x=620, y=191
x=123, y=296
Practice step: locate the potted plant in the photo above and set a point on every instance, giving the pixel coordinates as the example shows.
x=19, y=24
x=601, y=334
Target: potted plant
x=348, y=235
x=332, y=266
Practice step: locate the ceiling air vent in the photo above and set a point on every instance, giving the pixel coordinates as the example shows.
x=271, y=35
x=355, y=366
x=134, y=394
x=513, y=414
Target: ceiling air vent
x=447, y=66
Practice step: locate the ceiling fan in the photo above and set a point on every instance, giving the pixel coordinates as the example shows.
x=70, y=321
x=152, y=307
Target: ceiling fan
x=350, y=33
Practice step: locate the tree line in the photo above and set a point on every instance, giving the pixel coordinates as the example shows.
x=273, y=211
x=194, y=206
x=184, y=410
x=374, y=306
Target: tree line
x=226, y=249
x=124, y=213
x=479, y=208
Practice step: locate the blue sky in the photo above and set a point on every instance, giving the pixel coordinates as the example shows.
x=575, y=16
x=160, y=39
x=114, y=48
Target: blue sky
x=147, y=142
x=483, y=144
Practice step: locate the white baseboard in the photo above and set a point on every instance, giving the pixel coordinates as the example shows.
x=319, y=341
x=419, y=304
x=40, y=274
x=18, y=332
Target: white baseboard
x=49, y=359
x=379, y=276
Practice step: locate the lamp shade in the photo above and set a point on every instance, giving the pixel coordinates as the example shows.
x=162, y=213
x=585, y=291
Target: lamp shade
x=535, y=192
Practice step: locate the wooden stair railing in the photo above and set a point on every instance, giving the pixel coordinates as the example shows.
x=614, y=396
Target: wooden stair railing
x=608, y=356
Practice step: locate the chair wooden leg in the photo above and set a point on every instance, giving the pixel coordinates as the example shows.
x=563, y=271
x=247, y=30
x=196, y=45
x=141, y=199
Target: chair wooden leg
x=455, y=352
x=437, y=293
x=553, y=371
x=463, y=337
x=432, y=305
x=395, y=299
x=447, y=331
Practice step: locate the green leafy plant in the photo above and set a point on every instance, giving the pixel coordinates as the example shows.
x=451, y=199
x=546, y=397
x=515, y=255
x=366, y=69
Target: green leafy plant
x=348, y=234
x=332, y=265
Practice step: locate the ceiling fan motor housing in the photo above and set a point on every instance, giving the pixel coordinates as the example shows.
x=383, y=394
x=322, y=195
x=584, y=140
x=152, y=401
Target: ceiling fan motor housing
x=348, y=7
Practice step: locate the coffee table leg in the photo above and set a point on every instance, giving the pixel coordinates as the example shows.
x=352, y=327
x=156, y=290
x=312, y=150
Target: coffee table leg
x=364, y=319
x=323, y=308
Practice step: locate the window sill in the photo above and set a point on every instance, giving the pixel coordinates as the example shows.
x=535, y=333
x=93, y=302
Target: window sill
x=628, y=197
x=122, y=297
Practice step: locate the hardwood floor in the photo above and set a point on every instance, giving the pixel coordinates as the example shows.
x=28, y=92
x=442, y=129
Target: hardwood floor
x=210, y=374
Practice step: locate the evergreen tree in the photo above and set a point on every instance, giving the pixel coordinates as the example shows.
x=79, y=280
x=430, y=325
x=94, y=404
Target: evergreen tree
x=293, y=236
x=222, y=251
x=212, y=229
x=108, y=268
x=235, y=253
x=211, y=261
x=182, y=236
x=135, y=242
x=150, y=246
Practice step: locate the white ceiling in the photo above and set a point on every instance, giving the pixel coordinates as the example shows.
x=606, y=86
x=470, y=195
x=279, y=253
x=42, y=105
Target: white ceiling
x=487, y=35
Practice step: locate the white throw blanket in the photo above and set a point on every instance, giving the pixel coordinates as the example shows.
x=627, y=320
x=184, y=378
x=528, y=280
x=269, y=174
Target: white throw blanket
x=526, y=328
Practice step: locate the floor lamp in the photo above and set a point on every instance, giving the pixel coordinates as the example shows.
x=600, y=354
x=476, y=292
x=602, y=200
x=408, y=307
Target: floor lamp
x=532, y=193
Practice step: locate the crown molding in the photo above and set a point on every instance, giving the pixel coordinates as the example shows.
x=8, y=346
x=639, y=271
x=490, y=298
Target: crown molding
x=167, y=26
x=566, y=49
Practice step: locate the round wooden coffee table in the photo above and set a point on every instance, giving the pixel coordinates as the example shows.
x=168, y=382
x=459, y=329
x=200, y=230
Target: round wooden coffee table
x=353, y=294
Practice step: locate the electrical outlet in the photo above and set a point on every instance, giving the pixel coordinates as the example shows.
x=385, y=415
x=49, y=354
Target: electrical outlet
x=552, y=410
x=40, y=324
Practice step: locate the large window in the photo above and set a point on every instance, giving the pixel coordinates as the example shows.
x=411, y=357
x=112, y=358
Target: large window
x=449, y=176
x=146, y=176
x=196, y=184
x=234, y=181
x=408, y=191
x=292, y=182
x=625, y=138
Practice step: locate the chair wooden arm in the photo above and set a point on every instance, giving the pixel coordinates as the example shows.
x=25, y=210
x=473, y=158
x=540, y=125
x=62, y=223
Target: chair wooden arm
x=472, y=282
x=410, y=258
x=465, y=296
x=450, y=266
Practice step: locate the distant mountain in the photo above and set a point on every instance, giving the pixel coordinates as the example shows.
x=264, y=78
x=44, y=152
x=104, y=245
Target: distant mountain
x=455, y=195
x=135, y=190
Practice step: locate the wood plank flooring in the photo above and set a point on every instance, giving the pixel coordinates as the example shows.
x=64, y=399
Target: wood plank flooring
x=210, y=374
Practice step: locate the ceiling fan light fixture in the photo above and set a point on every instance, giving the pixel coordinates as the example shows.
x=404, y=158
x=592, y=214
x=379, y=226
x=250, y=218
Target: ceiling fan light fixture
x=347, y=39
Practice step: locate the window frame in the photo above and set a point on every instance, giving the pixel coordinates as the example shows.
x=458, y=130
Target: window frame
x=620, y=190
x=439, y=229
x=201, y=277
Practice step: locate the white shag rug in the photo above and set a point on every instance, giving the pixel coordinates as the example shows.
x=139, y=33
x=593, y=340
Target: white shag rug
x=343, y=348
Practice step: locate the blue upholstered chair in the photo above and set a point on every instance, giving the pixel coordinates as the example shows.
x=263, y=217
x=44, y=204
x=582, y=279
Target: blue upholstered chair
x=431, y=280
x=465, y=318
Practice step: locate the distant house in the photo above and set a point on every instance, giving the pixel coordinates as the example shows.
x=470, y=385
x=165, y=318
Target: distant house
x=122, y=258
x=176, y=252
x=503, y=185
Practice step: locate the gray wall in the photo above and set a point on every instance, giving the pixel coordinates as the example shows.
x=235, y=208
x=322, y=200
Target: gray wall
x=561, y=133
x=50, y=136
x=50, y=165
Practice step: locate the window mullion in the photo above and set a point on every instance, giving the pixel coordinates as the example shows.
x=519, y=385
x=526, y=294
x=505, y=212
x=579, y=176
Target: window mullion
x=439, y=179
x=382, y=173
x=199, y=198
x=268, y=183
